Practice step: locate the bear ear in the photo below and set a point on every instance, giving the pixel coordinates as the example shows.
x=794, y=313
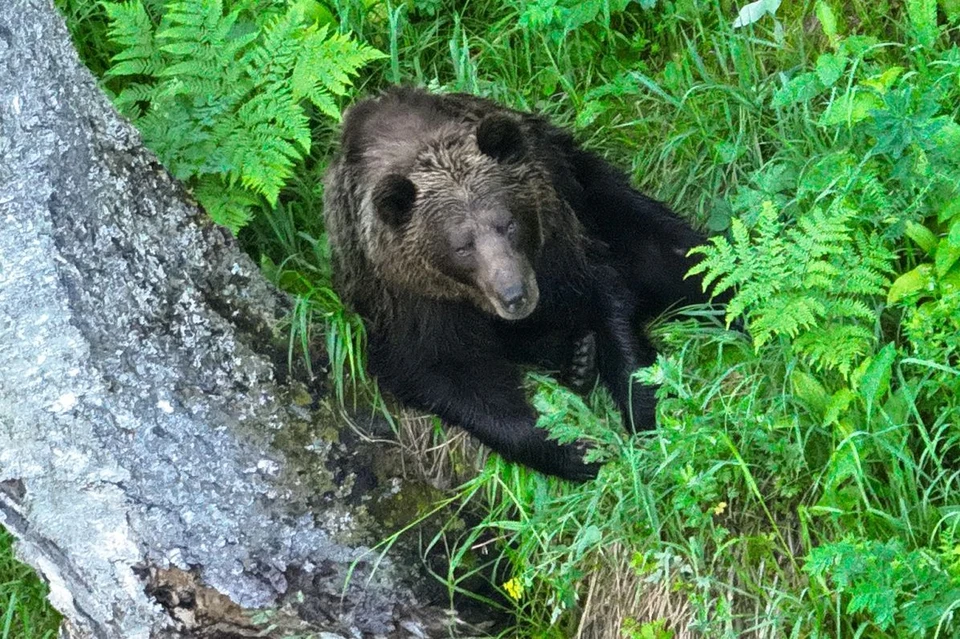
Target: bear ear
x=500, y=137
x=393, y=198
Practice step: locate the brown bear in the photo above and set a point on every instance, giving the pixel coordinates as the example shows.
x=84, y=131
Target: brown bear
x=474, y=240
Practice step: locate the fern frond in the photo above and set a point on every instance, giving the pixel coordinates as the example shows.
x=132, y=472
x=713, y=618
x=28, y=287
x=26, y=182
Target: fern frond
x=223, y=102
x=714, y=259
x=132, y=29
x=786, y=315
x=133, y=93
x=228, y=205
x=816, y=283
x=325, y=65
x=836, y=346
x=271, y=61
x=853, y=308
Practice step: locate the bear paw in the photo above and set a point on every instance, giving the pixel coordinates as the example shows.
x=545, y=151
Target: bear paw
x=643, y=409
x=582, y=372
x=569, y=463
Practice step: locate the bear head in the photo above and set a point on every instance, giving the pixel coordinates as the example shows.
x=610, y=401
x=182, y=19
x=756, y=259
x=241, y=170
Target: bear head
x=459, y=217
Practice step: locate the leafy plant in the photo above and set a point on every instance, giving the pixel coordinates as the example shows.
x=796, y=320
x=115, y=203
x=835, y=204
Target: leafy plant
x=220, y=96
x=24, y=611
x=811, y=283
x=560, y=17
x=892, y=587
x=931, y=291
x=650, y=630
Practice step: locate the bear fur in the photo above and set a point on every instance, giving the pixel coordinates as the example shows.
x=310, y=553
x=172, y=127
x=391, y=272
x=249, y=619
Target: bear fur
x=474, y=240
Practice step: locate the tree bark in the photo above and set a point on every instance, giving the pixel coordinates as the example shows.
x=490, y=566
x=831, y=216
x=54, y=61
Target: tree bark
x=154, y=471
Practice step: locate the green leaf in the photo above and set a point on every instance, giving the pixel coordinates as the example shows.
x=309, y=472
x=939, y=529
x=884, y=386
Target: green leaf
x=228, y=206
x=923, y=20
x=588, y=537
x=923, y=236
x=830, y=68
x=952, y=9
x=589, y=112
x=828, y=21
x=843, y=465
x=182, y=48
x=810, y=391
x=582, y=12
x=129, y=67
x=269, y=268
x=948, y=137
x=919, y=279
x=856, y=46
x=950, y=282
x=720, y=216
x=946, y=256
x=313, y=10
x=949, y=213
x=882, y=82
x=879, y=602
x=875, y=381
x=727, y=151
x=801, y=88
x=953, y=237
x=837, y=406
x=851, y=107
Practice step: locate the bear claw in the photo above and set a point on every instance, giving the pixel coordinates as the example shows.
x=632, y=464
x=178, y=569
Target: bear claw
x=582, y=372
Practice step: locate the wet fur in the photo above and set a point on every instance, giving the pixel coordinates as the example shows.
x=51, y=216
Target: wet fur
x=607, y=260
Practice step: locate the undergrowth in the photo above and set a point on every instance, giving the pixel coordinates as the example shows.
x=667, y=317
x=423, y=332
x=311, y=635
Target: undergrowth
x=220, y=95
x=23, y=612
x=803, y=480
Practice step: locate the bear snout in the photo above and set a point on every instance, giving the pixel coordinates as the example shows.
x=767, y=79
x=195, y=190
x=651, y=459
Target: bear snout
x=515, y=298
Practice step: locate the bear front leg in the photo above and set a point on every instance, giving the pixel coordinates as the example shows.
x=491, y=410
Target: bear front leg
x=618, y=358
x=620, y=352
x=486, y=399
x=518, y=439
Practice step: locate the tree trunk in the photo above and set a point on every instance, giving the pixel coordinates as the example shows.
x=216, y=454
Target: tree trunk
x=152, y=468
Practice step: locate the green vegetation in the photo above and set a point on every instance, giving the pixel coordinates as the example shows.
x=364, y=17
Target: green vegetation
x=220, y=97
x=805, y=478
x=24, y=612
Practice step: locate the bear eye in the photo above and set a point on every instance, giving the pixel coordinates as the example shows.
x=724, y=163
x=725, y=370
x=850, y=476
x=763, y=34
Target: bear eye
x=512, y=228
x=466, y=249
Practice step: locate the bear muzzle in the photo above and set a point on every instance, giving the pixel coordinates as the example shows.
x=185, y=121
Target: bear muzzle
x=505, y=277
x=515, y=298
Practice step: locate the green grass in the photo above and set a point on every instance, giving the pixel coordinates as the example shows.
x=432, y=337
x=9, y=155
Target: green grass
x=804, y=478
x=24, y=611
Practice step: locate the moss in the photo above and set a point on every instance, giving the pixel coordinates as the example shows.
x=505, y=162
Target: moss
x=307, y=444
x=404, y=505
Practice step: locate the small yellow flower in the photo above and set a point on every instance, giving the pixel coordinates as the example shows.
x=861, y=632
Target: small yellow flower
x=514, y=588
x=719, y=508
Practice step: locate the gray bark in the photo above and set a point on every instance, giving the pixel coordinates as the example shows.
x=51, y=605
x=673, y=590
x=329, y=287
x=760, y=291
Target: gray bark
x=152, y=468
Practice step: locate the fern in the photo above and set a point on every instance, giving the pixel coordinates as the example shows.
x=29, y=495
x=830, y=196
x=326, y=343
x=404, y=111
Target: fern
x=221, y=95
x=815, y=283
x=133, y=30
x=555, y=19
x=323, y=68
x=892, y=587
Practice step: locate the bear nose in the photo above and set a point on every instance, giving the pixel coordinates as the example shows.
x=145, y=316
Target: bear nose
x=513, y=298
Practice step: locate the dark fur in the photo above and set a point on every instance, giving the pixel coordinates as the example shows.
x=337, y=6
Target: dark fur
x=606, y=259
